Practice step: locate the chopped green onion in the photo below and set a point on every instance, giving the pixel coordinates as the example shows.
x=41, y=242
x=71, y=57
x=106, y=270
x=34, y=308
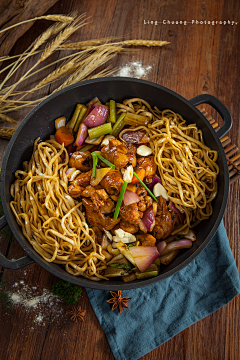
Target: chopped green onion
x=112, y=106
x=122, y=266
x=149, y=191
x=108, y=163
x=130, y=245
x=118, y=125
x=87, y=147
x=100, y=130
x=95, y=160
x=120, y=199
x=134, y=119
x=80, y=117
x=72, y=122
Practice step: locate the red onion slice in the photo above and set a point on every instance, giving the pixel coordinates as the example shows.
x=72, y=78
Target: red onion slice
x=130, y=197
x=149, y=219
x=97, y=116
x=180, y=215
x=155, y=180
x=82, y=134
x=144, y=256
x=142, y=226
x=161, y=246
x=176, y=245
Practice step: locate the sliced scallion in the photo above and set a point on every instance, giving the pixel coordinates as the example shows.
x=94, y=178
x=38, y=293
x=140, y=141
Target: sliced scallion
x=95, y=161
x=148, y=190
x=118, y=125
x=80, y=117
x=112, y=107
x=120, y=199
x=108, y=163
x=100, y=130
x=72, y=122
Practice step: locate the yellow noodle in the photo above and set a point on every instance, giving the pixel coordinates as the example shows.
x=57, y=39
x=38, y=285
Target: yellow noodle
x=187, y=167
x=51, y=220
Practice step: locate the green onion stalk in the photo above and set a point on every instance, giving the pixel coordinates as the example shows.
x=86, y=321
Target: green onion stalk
x=112, y=107
x=100, y=130
x=120, y=199
x=118, y=126
x=80, y=118
x=72, y=122
x=148, y=190
x=95, y=161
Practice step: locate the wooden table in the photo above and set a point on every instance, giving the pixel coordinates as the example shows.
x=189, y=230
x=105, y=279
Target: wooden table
x=202, y=58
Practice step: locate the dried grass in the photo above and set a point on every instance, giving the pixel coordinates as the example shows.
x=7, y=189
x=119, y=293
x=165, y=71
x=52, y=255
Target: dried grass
x=61, y=18
x=50, y=48
x=82, y=45
x=75, y=67
x=98, y=58
x=8, y=119
x=6, y=133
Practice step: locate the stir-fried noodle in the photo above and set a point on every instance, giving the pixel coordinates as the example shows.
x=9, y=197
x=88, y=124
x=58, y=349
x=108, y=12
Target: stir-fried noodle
x=187, y=167
x=54, y=222
x=51, y=220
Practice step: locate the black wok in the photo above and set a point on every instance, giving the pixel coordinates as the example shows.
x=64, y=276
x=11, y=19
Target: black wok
x=40, y=122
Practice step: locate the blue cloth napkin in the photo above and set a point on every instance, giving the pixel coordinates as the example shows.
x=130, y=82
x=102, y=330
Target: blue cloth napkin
x=160, y=311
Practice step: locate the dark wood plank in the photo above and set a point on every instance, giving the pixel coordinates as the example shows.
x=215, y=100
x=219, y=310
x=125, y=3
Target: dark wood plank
x=200, y=59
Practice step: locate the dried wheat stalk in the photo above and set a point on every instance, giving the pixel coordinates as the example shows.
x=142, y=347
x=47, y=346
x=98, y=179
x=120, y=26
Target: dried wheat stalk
x=76, y=67
x=95, y=60
x=41, y=39
x=50, y=49
x=85, y=44
x=65, y=69
x=6, y=133
x=8, y=119
x=61, y=18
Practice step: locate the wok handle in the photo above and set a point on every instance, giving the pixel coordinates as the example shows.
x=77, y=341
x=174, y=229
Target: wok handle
x=12, y=264
x=221, y=109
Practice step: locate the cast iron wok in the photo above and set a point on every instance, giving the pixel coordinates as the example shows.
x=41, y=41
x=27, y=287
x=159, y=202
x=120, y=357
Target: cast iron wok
x=40, y=123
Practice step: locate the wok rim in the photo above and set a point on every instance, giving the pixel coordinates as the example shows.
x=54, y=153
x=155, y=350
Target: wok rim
x=84, y=282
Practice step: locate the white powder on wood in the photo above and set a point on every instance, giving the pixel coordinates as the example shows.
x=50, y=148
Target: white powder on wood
x=134, y=69
x=41, y=304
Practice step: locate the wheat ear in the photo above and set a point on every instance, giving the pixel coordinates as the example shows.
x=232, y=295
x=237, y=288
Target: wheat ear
x=34, y=46
x=8, y=119
x=147, y=43
x=6, y=133
x=62, y=18
x=69, y=30
x=95, y=60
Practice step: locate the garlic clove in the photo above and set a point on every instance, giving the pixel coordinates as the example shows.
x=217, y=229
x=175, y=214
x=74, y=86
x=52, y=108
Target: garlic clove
x=159, y=190
x=108, y=234
x=144, y=150
x=123, y=236
x=105, y=141
x=127, y=174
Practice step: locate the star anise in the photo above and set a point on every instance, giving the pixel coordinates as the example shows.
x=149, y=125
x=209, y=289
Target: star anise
x=76, y=314
x=119, y=301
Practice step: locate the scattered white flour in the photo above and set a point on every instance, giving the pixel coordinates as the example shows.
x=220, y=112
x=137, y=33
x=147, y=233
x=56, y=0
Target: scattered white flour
x=134, y=69
x=39, y=318
x=26, y=297
x=41, y=305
